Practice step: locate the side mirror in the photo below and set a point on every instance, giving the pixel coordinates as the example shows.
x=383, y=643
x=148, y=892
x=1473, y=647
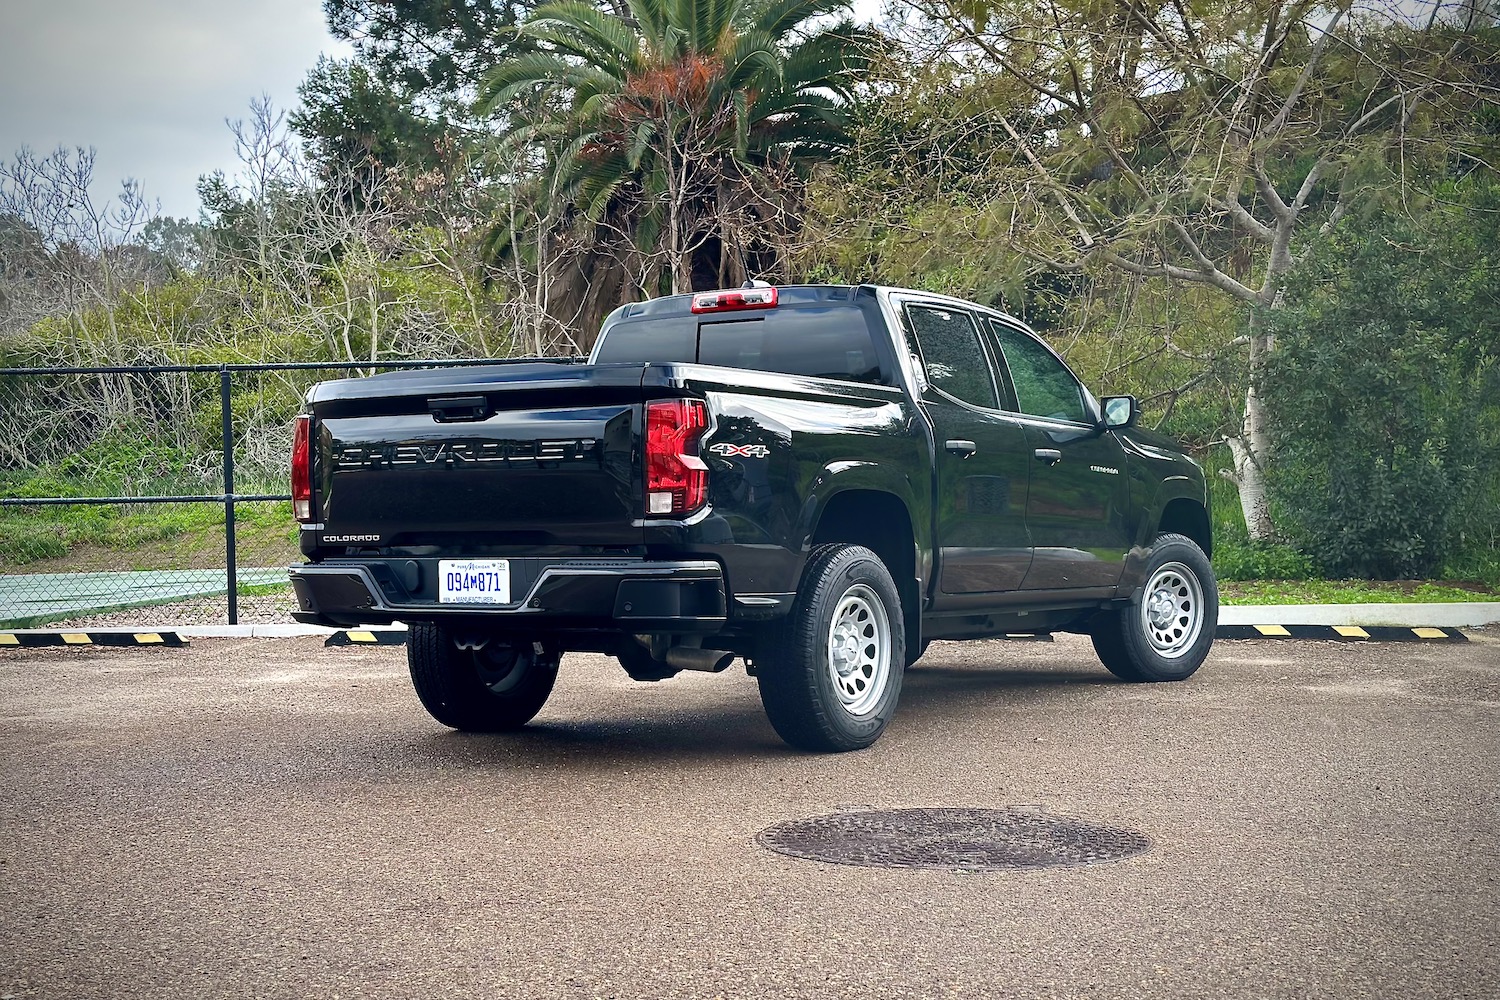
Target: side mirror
x=1121, y=411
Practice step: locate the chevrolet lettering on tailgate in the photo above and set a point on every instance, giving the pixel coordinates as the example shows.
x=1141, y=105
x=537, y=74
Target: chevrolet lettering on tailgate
x=454, y=453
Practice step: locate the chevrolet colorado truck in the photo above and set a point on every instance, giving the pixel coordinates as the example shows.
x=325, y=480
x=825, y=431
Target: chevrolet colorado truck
x=816, y=479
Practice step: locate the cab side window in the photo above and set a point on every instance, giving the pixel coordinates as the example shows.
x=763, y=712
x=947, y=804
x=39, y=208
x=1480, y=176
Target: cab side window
x=1044, y=386
x=950, y=350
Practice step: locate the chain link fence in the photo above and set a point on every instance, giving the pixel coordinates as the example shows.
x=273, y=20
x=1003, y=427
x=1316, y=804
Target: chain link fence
x=158, y=493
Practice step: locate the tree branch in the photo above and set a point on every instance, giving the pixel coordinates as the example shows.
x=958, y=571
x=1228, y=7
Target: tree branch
x=1041, y=169
x=1241, y=215
x=1267, y=190
x=1282, y=116
x=1308, y=183
x=1162, y=269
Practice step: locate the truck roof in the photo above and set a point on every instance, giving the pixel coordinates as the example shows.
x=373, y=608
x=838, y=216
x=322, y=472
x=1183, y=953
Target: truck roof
x=681, y=304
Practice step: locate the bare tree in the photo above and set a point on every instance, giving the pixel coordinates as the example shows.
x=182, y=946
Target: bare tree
x=63, y=251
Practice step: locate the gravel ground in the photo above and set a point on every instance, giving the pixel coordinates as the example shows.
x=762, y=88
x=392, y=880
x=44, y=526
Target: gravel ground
x=275, y=818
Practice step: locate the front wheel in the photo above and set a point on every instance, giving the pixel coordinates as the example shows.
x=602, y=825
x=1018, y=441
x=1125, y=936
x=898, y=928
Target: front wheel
x=478, y=684
x=1165, y=632
x=830, y=674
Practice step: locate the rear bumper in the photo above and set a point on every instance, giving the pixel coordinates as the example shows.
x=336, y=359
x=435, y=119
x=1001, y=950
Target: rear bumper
x=622, y=595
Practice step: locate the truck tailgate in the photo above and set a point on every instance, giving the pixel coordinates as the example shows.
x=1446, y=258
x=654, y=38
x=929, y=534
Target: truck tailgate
x=529, y=454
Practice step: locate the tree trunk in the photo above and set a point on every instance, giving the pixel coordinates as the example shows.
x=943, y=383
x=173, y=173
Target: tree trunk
x=1252, y=446
x=1249, y=479
x=674, y=229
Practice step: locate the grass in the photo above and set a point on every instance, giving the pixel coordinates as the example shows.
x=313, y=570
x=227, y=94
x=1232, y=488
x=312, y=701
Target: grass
x=1351, y=592
x=263, y=589
x=158, y=536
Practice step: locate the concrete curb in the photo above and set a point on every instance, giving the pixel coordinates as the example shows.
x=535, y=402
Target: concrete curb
x=1341, y=633
x=1242, y=621
x=1236, y=621
x=1470, y=615
x=263, y=631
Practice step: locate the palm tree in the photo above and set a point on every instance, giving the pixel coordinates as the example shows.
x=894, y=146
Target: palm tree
x=667, y=132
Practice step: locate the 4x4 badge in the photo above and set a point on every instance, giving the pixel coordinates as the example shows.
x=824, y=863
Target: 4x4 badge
x=740, y=450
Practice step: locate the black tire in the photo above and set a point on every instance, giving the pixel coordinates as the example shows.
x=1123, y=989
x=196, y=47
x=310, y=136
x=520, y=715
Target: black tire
x=498, y=687
x=820, y=701
x=1166, y=631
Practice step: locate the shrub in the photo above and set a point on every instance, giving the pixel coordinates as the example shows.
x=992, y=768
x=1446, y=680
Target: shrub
x=1241, y=560
x=1379, y=391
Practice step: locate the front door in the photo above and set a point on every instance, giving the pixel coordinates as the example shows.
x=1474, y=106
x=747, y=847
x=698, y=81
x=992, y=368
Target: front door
x=1076, y=506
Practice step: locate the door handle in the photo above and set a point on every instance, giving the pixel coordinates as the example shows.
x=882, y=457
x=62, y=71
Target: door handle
x=961, y=447
x=1049, y=455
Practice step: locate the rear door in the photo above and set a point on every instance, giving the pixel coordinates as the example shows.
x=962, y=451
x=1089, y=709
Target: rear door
x=1077, y=504
x=981, y=458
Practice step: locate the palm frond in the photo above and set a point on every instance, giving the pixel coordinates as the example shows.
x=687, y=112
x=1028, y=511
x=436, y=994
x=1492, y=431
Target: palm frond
x=586, y=32
x=753, y=62
x=780, y=17
x=833, y=59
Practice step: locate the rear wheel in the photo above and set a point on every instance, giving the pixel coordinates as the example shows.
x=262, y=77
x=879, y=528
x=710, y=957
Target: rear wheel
x=477, y=683
x=1165, y=632
x=830, y=674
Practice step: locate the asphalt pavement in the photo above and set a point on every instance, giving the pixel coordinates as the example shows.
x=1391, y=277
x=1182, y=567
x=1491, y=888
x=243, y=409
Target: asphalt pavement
x=272, y=818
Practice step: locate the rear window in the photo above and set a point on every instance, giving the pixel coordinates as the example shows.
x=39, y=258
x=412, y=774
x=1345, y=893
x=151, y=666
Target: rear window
x=826, y=341
x=657, y=340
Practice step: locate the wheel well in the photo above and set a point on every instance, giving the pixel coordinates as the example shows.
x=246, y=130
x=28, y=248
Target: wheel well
x=879, y=522
x=1187, y=517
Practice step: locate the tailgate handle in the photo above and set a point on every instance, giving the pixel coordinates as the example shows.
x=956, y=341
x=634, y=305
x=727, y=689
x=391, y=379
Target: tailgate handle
x=457, y=409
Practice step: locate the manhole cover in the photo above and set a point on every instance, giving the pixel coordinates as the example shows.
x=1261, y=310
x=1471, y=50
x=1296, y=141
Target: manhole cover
x=960, y=839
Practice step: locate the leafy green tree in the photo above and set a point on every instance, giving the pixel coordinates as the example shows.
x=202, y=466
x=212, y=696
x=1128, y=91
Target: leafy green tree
x=435, y=50
x=1384, y=390
x=1211, y=143
x=674, y=132
x=353, y=123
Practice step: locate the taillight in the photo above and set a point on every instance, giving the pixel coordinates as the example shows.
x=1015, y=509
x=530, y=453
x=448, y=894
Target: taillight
x=676, y=478
x=302, y=470
x=733, y=299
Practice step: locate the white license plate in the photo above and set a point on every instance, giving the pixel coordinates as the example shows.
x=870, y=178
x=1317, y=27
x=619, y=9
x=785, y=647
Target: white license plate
x=474, y=581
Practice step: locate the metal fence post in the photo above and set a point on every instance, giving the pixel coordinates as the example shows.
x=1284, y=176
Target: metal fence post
x=230, y=574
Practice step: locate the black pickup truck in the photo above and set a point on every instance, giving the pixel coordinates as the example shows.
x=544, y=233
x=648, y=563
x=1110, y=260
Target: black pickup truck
x=817, y=479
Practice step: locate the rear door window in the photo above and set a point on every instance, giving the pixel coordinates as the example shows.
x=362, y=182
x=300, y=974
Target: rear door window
x=951, y=353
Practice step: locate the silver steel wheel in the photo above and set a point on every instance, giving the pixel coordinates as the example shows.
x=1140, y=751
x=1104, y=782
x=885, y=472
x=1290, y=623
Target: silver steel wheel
x=1172, y=609
x=859, y=650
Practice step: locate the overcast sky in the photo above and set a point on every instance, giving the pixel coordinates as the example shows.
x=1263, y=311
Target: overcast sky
x=149, y=83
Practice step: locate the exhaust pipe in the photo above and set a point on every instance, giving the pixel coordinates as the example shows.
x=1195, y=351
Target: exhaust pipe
x=710, y=661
